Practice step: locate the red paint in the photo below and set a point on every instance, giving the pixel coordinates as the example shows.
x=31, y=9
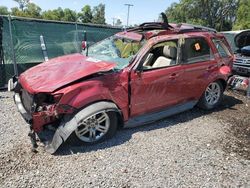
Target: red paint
x=134, y=93
x=55, y=73
x=130, y=35
x=156, y=89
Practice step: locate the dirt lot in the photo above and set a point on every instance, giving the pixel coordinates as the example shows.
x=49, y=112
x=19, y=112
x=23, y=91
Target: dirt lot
x=192, y=149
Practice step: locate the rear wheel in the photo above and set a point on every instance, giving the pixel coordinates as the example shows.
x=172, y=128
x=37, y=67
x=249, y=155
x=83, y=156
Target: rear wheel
x=212, y=96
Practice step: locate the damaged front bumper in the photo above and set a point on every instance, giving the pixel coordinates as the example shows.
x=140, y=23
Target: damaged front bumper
x=41, y=120
x=26, y=116
x=36, y=120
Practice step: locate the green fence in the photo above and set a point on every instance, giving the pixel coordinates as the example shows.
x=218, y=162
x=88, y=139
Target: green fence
x=20, y=41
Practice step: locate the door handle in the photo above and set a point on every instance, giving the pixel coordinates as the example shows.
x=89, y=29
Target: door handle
x=173, y=76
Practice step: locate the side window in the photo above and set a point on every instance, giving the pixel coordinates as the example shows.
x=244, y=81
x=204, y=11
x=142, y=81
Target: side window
x=222, y=48
x=163, y=54
x=196, y=50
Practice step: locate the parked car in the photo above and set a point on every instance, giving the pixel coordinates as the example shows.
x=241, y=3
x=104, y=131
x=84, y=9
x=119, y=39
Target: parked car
x=129, y=79
x=240, y=43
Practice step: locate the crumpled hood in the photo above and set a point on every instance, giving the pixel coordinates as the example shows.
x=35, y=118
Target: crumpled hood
x=242, y=39
x=55, y=73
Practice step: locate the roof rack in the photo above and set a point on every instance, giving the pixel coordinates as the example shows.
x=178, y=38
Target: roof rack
x=191, y=27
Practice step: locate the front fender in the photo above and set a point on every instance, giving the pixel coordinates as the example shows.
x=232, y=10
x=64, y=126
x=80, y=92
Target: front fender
x=82, y=94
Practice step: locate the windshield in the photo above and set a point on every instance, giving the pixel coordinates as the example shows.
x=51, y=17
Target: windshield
x=116, y=50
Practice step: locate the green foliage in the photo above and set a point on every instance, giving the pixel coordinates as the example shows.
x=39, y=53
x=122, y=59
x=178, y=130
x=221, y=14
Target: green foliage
x=4, y=10
x=60, y=15
x=85, y=16
x=99, y=14
x=15, y=11
x=33, y=11
x=22, y=3
x=219, y=14
x=69, y=15
x=243, y=15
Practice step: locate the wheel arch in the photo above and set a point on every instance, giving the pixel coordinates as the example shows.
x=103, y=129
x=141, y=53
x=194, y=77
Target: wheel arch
x=69, y=122
x=117, y=109
x=223, y=83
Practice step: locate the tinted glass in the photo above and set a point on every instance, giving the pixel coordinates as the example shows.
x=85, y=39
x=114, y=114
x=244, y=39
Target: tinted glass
x=221, y=47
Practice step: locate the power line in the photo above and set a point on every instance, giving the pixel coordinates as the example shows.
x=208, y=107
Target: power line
x=129, y=5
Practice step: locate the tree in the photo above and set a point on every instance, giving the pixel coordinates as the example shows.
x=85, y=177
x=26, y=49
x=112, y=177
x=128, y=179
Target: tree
x=118, y=22
x=56, y=14
x=243, y=15
x=85, y=15
x=69, y=15
x=15, y=11
x=219, y=14
x=22, y=3
x=99, y=14
x=4, y=10
x=60, y=15
x=33, y=11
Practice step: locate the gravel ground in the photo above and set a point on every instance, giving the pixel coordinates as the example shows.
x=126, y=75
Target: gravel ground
x=192, y=149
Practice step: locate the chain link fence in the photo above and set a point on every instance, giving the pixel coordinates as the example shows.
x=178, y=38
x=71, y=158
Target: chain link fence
x=20, y=45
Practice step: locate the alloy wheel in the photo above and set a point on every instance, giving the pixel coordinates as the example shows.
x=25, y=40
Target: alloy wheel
x=93, y=128
x=212, y=94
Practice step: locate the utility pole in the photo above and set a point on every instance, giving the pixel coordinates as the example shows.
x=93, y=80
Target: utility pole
x=129, y=5
x=113, y=21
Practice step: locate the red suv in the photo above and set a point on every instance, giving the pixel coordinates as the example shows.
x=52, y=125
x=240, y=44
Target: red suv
x=132, y=78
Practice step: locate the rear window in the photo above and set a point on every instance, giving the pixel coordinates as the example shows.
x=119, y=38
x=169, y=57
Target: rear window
x=222, y=48
x=196, y=50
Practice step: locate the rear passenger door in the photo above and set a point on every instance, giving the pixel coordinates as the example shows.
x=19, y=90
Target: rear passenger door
x=199, y=66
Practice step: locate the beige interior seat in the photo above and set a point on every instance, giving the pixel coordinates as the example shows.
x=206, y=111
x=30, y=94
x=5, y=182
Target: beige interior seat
x=168, y=58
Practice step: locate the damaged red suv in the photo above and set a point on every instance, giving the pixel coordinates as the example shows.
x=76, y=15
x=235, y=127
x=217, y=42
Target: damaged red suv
x=132, y=78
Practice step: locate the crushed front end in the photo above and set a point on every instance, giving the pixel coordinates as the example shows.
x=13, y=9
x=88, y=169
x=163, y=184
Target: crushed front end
x=42, y=111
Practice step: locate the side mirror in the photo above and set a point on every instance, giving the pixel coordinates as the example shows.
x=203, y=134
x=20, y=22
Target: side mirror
x=84, y=45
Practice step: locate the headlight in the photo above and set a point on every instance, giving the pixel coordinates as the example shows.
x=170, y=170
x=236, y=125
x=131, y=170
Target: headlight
x=44, y=98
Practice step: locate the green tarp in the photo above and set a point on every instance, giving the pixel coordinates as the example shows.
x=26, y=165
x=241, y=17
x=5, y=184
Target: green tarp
x=60, y=38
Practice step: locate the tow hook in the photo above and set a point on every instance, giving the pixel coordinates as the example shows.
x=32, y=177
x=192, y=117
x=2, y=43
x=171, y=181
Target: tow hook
x=33, y=140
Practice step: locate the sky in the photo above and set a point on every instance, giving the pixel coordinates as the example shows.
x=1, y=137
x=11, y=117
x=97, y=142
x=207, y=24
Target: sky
x=142, y=11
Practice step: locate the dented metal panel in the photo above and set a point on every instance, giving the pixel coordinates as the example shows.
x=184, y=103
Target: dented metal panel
x=55, y=73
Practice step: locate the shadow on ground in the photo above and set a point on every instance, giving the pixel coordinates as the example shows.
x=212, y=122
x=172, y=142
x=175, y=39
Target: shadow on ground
x=125, y=135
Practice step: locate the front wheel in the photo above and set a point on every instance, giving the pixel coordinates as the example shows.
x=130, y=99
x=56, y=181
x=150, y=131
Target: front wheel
x=212, y=96
x=94, y=128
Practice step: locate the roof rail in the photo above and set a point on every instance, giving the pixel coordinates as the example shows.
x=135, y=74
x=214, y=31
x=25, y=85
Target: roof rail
x=190, y=27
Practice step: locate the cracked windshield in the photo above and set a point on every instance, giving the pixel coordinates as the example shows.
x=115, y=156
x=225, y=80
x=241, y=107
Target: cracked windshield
x=116, y=50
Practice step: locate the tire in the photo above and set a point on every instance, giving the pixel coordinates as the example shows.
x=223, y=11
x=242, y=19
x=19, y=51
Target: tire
x=91, y=131
x=212, y=96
